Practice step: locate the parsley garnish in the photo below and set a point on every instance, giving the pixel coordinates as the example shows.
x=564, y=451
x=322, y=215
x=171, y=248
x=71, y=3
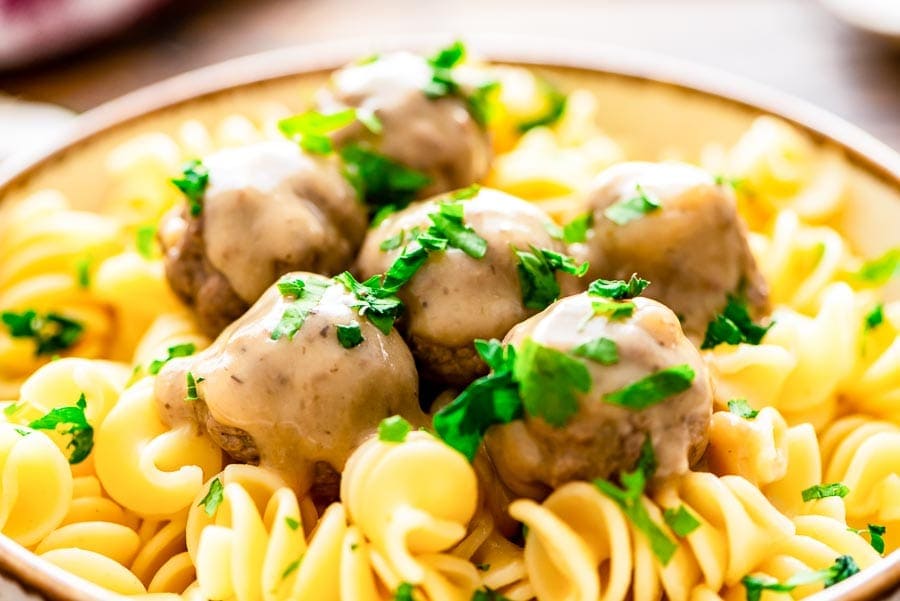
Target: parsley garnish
x=83, y=272
x=742, y=408
x=214, y=497
x=876, y=536
x=51, y=332
x=487, y=594
x=192, y=387
x=82, y=433
x=843, y=568
x=576, y=230
x=875, y=317
x=549, y=381
x=306, y=292
x=448, y=224
x=878, y=271
x=821, y=491
x=618, y=289
x=179, y=350
x=193, y=183
x=536, y=270
x=393, y=429
x=733, y=326
x=384, y=185
x=443, y=84
x=602, y=350
x=556, y=106
x=291, y=567
x=292, y=523
x=394, y=242
x=378, y=303
x=626, y=211
x=612, y=309
x=404, y=592
x=144, y=240
x=653, y=389
x=311, y=129
x=349, y=335
x=681, y=521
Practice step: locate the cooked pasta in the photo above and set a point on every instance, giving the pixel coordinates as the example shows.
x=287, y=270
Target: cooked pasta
x=154, y=450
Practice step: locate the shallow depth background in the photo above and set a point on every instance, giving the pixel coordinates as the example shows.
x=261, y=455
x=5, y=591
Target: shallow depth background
x=794, y=45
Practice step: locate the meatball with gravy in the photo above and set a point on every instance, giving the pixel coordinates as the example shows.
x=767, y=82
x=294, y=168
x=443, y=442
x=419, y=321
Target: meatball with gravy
x=268, y=209
x=604, y=437
x=454, y=299
x=437, y=136
x=287, y=392
x=692, y=245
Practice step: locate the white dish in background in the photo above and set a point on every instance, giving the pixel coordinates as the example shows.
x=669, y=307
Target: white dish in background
x=878, y=17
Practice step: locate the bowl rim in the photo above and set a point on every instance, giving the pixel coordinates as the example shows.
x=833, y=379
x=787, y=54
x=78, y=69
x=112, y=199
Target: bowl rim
x=859, y=147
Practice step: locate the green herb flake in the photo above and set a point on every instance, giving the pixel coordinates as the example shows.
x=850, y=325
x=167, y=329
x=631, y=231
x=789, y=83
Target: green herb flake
x=487, y=594
x=555, y=102
x=292, y=523
x=393, y=429
x=144, y=240
x=306, y=297
x=349, y=335
x=612, y=310
x=878, y=271
x=482, y=567
x=384, y=185
x=311, y=129
x=173, y=352
x=576, y=230
x=821, y=491
x=83, y=272
x=537, y=279
x=404, y=592
x=11, y=409
x=467, y=193
x=192, y=183
x=626, y=211
x=192, y=387
x=51, y=332
x=742, y=408
x=214, y=497
x=448, y=223
x=374, y=300
x=602, y=350
x=491, y=399
x=480, y=101
x=618, y=289
x=876, y=536
x=549, y=382
x=291, y=568
x=22, y=431
x=653, y=389
x=843, y=568
x=81, y=432
x=733, y=326
x=875, y=317
x=370, y=120
x=681, y=521
x=394, y=242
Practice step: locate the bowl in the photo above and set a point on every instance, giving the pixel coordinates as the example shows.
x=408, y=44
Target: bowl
x=650, y=103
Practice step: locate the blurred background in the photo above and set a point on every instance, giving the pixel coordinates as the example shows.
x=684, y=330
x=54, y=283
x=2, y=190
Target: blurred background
x=77, y=54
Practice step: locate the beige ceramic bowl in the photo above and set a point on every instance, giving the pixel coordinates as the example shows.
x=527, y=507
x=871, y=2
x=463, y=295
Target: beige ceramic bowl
x=648, y=103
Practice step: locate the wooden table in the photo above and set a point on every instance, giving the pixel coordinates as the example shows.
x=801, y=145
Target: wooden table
x=793, y=45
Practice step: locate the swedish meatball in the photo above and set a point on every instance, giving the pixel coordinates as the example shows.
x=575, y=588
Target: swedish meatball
x=268, y=209
x=454, y=299
x=299, y=402
x=693, y=247
x=602, y=438
x=436, y=136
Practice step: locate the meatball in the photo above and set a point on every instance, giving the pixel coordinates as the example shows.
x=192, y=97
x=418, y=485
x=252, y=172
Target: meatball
x=301, y=402
x=268, y=209
x=454, y=298
x=436, y=136
x=693, y=248
x=602, y=439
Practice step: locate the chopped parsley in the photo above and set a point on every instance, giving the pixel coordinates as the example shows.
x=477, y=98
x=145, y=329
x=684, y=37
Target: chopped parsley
x=51, y=332
x=393, y=429
x=394, y=242
x=83, y=272
x=192, y=387
x=349, y=335
x=876, y=536
x=378, y=303
x=443, y=84
x=626, y=211
x=875, y=317
x=448, y=224
x=404, y=592
x=537, y=279
x=292, y=523
x=556, y=107
x=681, y=521
x=11, y=409
x=843, y=568
x=878, y=271
x=733, y=326
x=311, y=129
x=192, y=183
x=143, y=240
x=653, y=389
x=179, y=350
x=549, y=381
x=80, y=430
x=487, y=594
x=306, y=292
x=291, y=567
x=576, y=230
x=741, y=408
x=612, y=309
x=214, y=497
x=602, y=350
x=618, y=289
x=821, y=491
x=384, y=185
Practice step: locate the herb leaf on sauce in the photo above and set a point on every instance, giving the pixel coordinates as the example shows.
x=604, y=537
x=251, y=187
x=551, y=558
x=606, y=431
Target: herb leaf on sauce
x=626, y=211
x=822, y=491
x=653, y=389
x=192, y=183
x=443, y=83
x=192, y=387
x=51, y=332
x=602, y=350
x=842, y=568
x=384, y=185
x=393, y=429
x=549, y=381
x=576, y=230
x=618, y=289
x=742, y=408
x=349, y=335
x=733, y=326
x=306, y=292
x=378, y=303
x=179, y=350
x=81, y=432
x=537, y=279
x=448, y=223
x=311, y=129
x=612, y=309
